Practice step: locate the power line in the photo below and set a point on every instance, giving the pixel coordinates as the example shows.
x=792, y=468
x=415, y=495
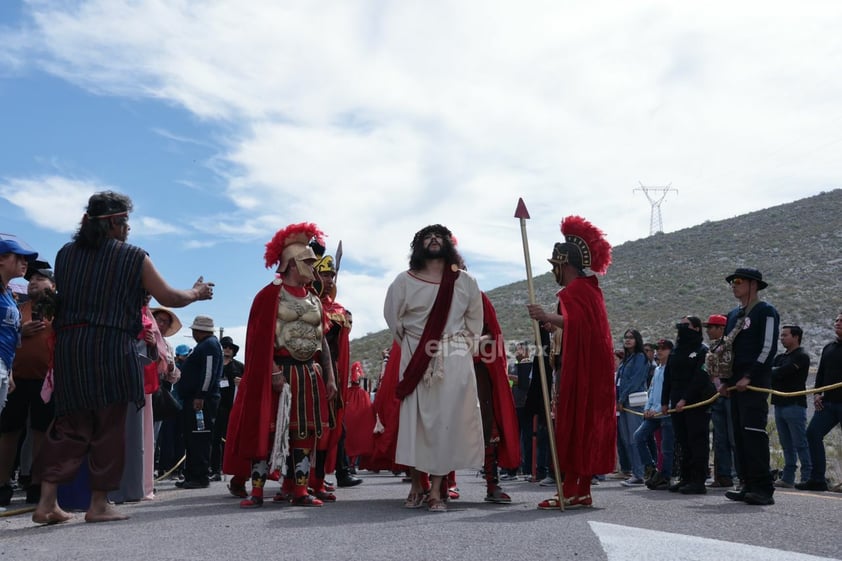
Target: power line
x=656, y=196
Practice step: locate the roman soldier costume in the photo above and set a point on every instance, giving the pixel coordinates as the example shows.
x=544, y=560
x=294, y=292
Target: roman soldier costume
x=331, y=454
x=585, y=420
x=283, y=346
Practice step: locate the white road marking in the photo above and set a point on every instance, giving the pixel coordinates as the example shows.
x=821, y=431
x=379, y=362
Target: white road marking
x=625, y=543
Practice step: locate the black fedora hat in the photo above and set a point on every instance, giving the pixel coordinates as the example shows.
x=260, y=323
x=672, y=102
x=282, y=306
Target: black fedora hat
x=229, y=342
x=748, y=274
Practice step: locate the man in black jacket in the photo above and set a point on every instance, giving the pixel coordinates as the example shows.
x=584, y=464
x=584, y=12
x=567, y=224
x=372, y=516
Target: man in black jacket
x=232, y=372
x=199, y=389
x=789, y=374
x=828, y=409
x=754, y=348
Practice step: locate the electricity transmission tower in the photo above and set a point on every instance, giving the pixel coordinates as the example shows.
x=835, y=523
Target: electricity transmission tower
x=656, y=196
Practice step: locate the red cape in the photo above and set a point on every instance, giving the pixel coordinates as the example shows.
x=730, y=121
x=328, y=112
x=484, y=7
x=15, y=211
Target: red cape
x=387, y=407
x=343, y=372
x=586, y=424
x=505, y=415
x=256, y=405
x=359, y=422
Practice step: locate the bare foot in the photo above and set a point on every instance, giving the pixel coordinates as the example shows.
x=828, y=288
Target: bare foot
x=107, y=514
x=54, y=516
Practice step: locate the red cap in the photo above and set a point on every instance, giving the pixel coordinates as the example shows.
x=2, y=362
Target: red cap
x=716, y=319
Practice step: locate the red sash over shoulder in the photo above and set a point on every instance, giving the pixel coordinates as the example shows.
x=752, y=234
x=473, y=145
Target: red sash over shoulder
x=432, y=332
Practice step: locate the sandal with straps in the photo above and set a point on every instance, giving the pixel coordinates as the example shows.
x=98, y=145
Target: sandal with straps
x=497, y=496
x=436, y=505
x=549, y=504
x=325, y=496
x=415, y=500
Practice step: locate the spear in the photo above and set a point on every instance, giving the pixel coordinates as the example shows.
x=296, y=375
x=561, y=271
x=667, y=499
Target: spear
x=522, y=214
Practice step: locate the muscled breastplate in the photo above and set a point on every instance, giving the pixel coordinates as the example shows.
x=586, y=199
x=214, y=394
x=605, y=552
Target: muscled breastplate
x=298, y=327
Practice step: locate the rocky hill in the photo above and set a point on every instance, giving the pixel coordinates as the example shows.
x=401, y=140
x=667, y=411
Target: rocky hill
x=654, y=281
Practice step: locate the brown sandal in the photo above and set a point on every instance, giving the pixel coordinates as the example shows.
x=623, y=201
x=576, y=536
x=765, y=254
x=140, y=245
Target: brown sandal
x=415, y=500
x=436, y=505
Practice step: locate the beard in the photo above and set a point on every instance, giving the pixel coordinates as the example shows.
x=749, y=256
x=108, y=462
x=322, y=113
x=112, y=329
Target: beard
x=433, y=253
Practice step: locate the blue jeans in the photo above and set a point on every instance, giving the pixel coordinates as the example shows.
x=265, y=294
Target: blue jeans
x=822, y=423
x=627, y=424
x=723, y=438
x=791, y=421
x=643, y=435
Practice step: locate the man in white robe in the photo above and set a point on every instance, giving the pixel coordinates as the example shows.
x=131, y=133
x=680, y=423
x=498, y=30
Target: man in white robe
x=440, y=427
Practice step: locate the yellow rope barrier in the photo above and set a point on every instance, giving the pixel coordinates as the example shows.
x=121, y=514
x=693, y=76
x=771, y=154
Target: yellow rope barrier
x=175, y=467
x=715, y=396
x=16, y=511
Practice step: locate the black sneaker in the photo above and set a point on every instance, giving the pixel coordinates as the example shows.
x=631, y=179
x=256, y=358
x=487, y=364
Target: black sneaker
x=6, y=493
x=347, y=480
x=810, y=485
x=656, y=479
x=759, y=499
x=736, y=495
x=676, y=486
x=693, y=489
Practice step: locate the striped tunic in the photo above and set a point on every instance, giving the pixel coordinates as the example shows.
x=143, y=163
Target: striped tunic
x=96, y=325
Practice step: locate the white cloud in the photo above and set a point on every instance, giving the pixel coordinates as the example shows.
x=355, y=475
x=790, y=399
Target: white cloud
x=150, y=226
x=52, y=202
x=375, y=119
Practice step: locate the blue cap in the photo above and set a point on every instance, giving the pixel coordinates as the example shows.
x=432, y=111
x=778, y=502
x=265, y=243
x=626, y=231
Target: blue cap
x=9, y=243
x=182, y=350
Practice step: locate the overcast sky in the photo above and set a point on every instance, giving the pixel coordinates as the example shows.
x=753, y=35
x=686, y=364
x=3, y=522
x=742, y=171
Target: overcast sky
x=225, y=121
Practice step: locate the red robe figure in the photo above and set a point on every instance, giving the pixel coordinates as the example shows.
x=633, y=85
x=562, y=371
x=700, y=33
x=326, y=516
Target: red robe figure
x=386, y=411
x=285, y=344
x=499, y=418
x=359, y=417
x=585, y=421
x=331, y=454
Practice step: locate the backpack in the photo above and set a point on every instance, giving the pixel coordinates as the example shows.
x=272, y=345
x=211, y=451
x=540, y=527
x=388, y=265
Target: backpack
x=720, y=358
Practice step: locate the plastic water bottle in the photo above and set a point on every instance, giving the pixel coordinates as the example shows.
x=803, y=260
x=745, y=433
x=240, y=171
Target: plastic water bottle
x=200, y=420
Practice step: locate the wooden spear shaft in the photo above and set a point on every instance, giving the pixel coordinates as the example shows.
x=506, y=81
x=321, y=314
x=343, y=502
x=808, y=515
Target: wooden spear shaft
x=522, y=214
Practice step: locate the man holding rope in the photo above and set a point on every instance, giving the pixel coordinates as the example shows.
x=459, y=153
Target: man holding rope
x=754, y=348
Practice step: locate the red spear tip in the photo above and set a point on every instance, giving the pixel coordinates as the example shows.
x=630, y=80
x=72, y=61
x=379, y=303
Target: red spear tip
x=520, y=211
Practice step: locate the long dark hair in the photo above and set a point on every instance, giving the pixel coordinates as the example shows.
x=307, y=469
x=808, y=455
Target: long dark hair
x=98, y=218
x=451, y=256
x=638, y=343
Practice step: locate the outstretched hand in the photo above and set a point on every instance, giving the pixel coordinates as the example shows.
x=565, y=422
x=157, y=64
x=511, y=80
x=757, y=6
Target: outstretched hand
x=204, y=290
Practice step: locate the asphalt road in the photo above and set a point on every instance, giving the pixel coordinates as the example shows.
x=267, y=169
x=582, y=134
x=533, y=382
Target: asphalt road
x=368, y=522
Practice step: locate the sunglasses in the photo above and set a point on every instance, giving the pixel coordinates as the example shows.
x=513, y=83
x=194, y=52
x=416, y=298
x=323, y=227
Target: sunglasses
x=737, y=282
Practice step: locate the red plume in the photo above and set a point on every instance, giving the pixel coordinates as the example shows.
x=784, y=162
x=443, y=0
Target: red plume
x=294, y=233
x=593, y=237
